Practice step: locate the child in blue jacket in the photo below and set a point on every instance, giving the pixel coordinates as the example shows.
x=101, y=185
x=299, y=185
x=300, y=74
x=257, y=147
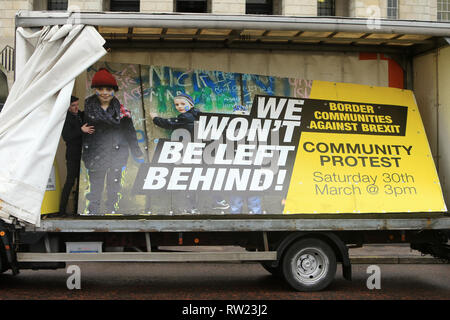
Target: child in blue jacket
x=185, y=202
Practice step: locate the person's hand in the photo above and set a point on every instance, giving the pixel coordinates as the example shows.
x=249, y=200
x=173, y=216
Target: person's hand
x=153, y=114
x=87, y=129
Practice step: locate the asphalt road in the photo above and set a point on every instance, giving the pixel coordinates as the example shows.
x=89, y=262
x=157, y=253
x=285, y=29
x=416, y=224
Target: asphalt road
x=212, y=281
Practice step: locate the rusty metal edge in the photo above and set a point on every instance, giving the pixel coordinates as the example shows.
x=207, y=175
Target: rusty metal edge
x=242, y=225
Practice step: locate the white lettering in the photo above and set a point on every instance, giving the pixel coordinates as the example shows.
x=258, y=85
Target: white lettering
x=155, y=178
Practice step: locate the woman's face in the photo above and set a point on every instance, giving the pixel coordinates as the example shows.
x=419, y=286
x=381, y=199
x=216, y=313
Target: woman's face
x=105, y=94
x=181, y=105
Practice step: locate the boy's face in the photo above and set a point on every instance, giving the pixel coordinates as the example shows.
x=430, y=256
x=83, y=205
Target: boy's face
x=105, y=94
x=180, y=105
x=73, y=108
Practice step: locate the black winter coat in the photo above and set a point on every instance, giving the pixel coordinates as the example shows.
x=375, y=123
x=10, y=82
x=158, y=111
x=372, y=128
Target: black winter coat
x=114, y=136
x=72, y=135
x=184, y=121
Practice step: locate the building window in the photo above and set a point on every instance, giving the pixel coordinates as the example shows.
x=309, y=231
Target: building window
x=259, y=7
x=195, y=6
x=392, y=9
x=57, y=5
x=443, y=10
x=125, y=5
x=326, y=8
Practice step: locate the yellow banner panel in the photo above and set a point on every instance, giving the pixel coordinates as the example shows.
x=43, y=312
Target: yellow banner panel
x=50, y=203
x=364, y=151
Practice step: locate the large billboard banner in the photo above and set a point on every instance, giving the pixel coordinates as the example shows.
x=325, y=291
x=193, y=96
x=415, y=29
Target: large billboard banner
x=212, y=142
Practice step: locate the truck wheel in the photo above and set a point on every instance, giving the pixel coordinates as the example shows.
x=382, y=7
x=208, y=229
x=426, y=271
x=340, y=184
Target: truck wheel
x=309, y=265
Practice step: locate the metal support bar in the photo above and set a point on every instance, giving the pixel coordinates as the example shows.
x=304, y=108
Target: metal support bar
x=47, y=244
x=266, y=242
x=211, y=45
x=203, y=257
x=230, y=38
x=147, y=257
x=431, y=34
x=239, y=22
x=409, y=78
x=233, y=225
x=148, y=243
x=395, y=260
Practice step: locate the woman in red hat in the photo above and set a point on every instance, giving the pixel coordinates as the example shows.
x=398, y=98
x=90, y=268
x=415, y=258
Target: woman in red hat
x=106, y=152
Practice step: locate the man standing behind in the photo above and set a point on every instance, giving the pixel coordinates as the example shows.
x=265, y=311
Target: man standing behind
x=72, y=134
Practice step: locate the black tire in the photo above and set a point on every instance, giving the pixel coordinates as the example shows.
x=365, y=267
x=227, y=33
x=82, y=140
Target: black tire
x=275, y=271
x=309, y=265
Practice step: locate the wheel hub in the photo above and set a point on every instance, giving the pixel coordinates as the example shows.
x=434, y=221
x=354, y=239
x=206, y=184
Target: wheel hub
x=310, y=265
x=307, y=262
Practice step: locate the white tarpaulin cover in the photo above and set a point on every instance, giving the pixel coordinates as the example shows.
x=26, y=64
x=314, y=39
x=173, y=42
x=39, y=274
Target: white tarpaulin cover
x=47, y=63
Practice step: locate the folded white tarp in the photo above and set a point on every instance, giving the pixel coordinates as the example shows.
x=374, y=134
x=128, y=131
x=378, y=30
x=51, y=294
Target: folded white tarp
x=47, y=63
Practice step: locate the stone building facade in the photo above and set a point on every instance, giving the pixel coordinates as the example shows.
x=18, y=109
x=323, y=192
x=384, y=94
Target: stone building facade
x=426, y=10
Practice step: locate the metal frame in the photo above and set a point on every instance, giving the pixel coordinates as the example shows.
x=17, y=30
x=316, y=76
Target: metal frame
x=211, y=21
x=147, y=257
x=241, y=225
x=401, y=48
x=237, y=27
x=211, y=45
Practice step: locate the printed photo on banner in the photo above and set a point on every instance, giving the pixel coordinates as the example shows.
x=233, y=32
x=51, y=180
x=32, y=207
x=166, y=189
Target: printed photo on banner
x=172, y=141
x=159, y=109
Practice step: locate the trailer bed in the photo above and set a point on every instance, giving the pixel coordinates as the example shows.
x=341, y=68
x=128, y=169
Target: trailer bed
x=425, y=221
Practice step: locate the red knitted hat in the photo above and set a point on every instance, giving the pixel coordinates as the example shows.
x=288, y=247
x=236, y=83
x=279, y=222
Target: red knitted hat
x=103, y=78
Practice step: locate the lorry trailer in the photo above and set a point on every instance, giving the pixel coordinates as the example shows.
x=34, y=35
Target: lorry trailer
x=315, y=136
